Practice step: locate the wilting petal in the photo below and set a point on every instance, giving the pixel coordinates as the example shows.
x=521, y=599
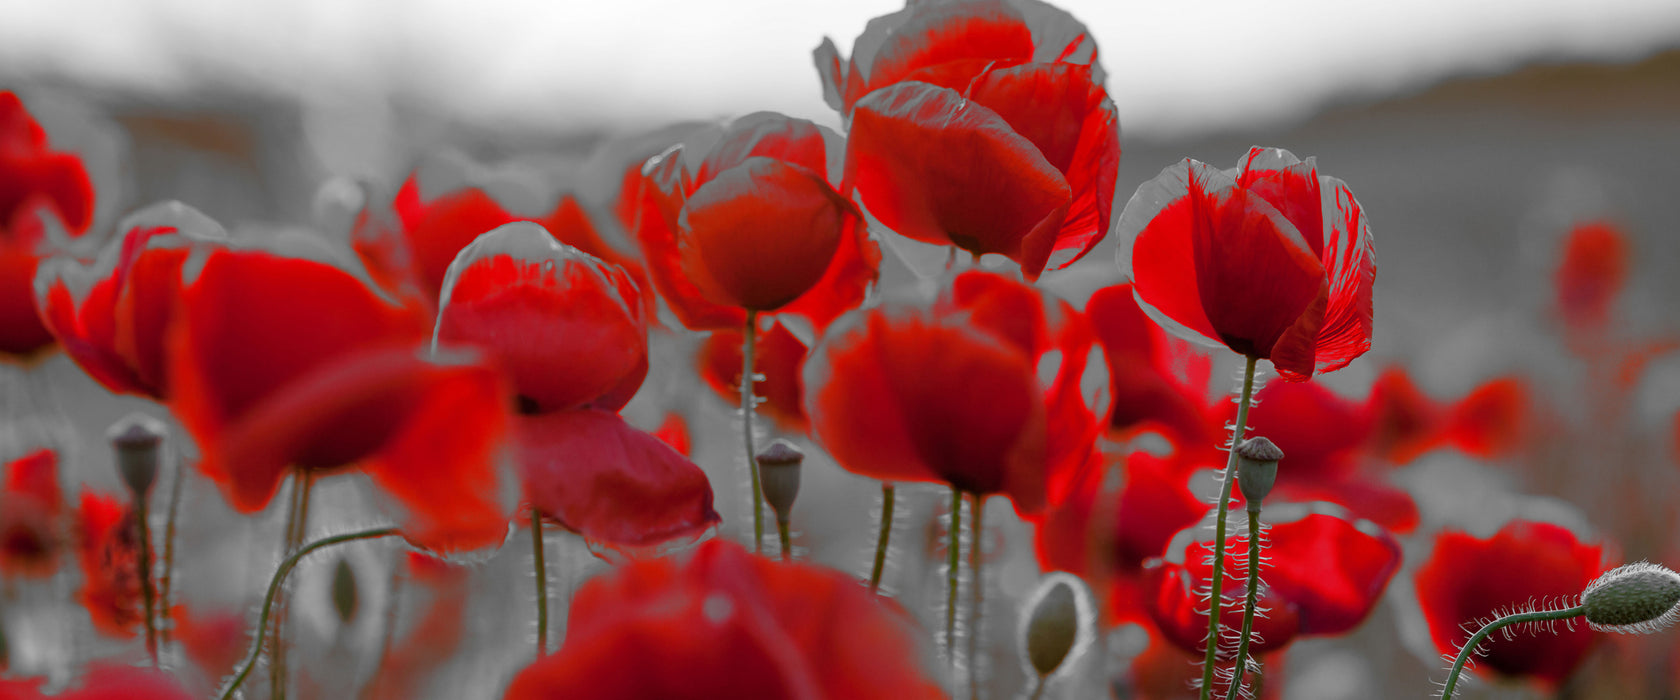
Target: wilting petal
x=599, y=477
x=779, y=357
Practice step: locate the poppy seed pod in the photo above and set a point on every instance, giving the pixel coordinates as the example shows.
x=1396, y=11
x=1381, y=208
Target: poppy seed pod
x=344, y=598
x=1257, y=462
x=1638, y=598
x=137, y=438
x=778, y=470
x=1057, y=625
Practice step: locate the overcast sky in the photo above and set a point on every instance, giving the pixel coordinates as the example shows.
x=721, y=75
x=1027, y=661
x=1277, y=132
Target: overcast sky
x=638, y=63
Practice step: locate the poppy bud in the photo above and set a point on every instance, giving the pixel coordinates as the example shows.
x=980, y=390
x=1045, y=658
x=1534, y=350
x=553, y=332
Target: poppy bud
x=1257, y=461
x=1057, y=624
x=1638, y=598
x=778, y=473
x=136, y=439
x=344, y=591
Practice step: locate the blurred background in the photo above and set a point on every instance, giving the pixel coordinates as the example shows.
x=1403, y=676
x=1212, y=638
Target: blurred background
x=1476, y=135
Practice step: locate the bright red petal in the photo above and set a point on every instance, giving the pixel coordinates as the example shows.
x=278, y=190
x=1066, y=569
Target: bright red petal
x=779, y=357
x=31, y=174
x=1492, y=420
x=1593, y=272
x=1351, y=263
x=894, y=46
x=665, y=186
x=766, y=135
x=1331, y=570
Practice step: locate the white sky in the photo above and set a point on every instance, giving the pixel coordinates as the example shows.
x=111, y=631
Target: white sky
x=1173, y=66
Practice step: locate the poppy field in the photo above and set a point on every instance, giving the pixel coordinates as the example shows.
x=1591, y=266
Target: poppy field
x=937, y=404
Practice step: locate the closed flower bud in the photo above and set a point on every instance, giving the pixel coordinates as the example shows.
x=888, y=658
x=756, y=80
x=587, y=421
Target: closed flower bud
x=1257, y=462
x=1638, y=598
x=1058, y=624
x=778, y=473
x=137, y=438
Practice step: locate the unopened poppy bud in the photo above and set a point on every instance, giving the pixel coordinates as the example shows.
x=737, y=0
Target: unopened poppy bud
x=1257, y=463
x=1058, y=624
x=344, y=591
x=1638, y=598
x=778, y=473
x=137, y=439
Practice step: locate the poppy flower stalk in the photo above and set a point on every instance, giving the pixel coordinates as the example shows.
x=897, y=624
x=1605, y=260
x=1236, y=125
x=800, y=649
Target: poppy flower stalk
x=749, y=405
x=297, y=524
x=1257, y=462
x=1216, y=581
x=977, y=507
x=136, y=440
x=953, y=560
x=888, y=495
x=542, y=580
x=166, y=578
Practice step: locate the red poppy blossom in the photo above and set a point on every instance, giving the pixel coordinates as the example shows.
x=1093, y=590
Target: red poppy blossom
x=753, y=225
x=566, y=327
x=1271, y=259
x=674, y=431
x=779, y=357
x=108, y=549
x=111, y=318
x=1469, y=580
x=33, y=177
x=283, y=363
x=728, y=624
x=103, y=681
x=1489, y=422
x=1593, y=272
x=31, y=506
x=1146, y=390
x=213, y=640
x=1325, y=575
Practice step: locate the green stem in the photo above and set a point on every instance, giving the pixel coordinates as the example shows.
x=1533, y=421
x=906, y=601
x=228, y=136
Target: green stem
x=166, y=581
x=542, y=581
x=146, y=594
x=749, y=406
x=1216, y=591
x=1039, y=683
x=297, y=526
x=274, y=585
x=976, y=509
x=787, y=539
x=1248, y=605
x=1491, y=627
x=887, y=493
x=953, y=561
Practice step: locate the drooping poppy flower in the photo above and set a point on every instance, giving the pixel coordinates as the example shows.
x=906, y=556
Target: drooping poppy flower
x=1469, y=580
x=103, y=681
x=33, y=178
x=1271, y=259
x=31, y=506
x=1147, y=392
x=752, y=224
x=728, y=624
x=112, y=318
x=1593, y=272
x=283, y=363
x=779, y=356
x=1325, y=575
x=108, y=549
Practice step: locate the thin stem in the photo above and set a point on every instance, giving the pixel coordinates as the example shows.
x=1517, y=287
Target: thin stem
x=1216, y=591
x=887, y=494
x=274, y=584
x=297, y=525
x=166, y=581
x=787, y=539
x=975, y=527
x=1039, y=684
x=144, y=532
x=749, y=406
x=953, y=561
x=1491, y=627
x=542, y=581
x=1248, y=605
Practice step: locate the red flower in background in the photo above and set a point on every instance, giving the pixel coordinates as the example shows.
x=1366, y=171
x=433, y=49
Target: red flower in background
x=1141, y=369
x=1324, y=576
x=103, y=681
x=674, y=431
x=112, y=318
x=728, y=624
x=108, y=548
x=1469, y=580
x=1488, y=422
x=213, y=640
x=32, y=177
x=283, y=363
x=1593, y=272
x=434, y=638
x=753, y=225
x=779, y=357
x=31, y=507
x=1272, y=260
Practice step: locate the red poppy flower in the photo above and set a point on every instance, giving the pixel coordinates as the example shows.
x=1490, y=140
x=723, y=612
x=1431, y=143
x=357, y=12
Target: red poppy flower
x=111, y=318
x=1469, y=580
x=32, y=177
x=30, y=509
x=674, y=431
x=728, y=624
x=103, y=681
x=1488, y=422
x=754, y=226
x=1271, y=259
x=109, y=552
x=953, y=394
x=1146, y=390
x=213, y=640
x=779, y=357
x=1325, y=575
x=284, y=363
x=1593, y=272
x=567, y=328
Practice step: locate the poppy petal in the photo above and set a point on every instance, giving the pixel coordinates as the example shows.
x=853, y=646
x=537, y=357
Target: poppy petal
x=1332, y=570
x=1351, y=263
x=665, y=185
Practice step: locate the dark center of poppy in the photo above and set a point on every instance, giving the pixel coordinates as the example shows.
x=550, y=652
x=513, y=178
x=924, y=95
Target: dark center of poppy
x=527, y=406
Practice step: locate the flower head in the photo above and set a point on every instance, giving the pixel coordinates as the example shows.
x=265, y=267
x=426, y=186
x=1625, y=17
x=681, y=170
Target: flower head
x=33, y=178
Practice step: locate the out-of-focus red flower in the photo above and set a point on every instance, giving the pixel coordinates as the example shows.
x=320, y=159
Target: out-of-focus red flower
x=103, y=681
x=1405, y=422
x=728, y=624
x=1272, y=259
x=31, y=507
x=112, y=318
x=566, y=327
x=1146, y=390
x=1488, y=422
x=1492, y=419
x=1325, y=575
x=403, y=672
x=754, y=225
x=282, y=363
x=779, y=357
x=674, y=431
x=33, y=177
x=1593, y=272
x=108, y=548
x=953, y=393
x=214, y=640
x=1469, y=580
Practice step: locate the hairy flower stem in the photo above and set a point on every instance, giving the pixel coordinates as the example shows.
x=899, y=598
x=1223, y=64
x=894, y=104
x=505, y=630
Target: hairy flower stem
x=166, y=580
x=1491, y=627
x=1217, y=582
x=976, y=509
x=297, y=525
x=887, y=495
x=1254, y=545
x=749, y=405
x=143, y=532
x=274, y=585
x=786, y=538
x=953, y=560
x=542, y=581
